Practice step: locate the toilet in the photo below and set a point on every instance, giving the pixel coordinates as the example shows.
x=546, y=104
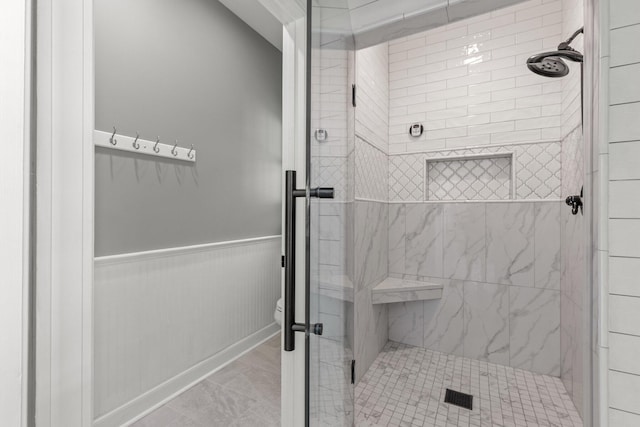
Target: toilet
x=277, y=314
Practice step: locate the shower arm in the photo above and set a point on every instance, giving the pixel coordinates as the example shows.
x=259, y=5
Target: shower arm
x=565, y=45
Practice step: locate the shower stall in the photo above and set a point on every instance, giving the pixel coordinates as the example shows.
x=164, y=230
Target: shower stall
x=448, y=272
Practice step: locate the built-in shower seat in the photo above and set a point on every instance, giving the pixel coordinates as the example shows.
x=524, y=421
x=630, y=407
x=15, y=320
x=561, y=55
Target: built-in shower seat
x=392, y=290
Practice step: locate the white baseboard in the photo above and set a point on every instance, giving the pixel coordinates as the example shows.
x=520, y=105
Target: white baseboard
x=158, y=396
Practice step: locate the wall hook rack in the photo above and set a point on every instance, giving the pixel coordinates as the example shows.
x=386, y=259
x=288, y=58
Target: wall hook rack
x=116, y=141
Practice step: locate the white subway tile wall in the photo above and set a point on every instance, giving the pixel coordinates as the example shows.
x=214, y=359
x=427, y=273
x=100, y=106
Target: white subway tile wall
x=467, y=82
x=624, y=180
x=372, y=95
x=572, y=20
x=330, y=102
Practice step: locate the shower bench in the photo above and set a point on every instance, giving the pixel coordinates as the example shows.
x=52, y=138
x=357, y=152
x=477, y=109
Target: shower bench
x=392, y=290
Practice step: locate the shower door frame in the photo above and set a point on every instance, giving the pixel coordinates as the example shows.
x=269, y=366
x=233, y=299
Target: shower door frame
x=15, y=215
x=64, y=213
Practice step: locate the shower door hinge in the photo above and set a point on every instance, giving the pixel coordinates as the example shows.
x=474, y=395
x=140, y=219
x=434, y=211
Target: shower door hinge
x=353, y=94
x=353, y=371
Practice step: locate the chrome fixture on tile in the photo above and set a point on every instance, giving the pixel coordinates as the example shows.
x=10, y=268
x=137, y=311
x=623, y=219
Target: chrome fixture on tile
x=576, y=202
x=416, y=129
x=551, y=64
x=321, y=135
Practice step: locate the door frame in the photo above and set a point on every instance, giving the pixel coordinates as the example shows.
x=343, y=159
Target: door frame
x=64, y=254
x=64, y=213
x=294, y=158
x=15, y=215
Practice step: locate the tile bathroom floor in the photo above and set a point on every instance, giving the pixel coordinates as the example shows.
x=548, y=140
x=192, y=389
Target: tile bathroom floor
x=245, y=393
x=406, y=385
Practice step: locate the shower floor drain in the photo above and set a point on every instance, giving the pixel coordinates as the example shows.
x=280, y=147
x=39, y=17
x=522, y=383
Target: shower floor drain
x=459, y=399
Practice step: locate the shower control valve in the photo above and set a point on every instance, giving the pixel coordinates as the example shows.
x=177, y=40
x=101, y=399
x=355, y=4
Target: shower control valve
x=575, y=202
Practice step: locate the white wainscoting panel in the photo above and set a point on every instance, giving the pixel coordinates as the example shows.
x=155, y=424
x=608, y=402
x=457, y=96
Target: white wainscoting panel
x=160, y=314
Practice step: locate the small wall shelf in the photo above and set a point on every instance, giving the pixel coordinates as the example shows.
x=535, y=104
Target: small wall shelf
x=392, y=290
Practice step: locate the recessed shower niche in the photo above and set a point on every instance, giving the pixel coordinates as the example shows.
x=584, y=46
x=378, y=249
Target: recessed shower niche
x=470, y=177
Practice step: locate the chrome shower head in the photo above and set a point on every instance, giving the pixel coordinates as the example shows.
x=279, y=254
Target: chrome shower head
x=551, y=64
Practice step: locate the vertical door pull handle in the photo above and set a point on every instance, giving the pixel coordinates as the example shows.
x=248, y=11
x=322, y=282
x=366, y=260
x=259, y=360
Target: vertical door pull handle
x=289, y=325
x=289, y=260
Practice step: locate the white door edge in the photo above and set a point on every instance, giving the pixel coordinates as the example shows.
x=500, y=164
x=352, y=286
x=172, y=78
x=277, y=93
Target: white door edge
x=294, y=158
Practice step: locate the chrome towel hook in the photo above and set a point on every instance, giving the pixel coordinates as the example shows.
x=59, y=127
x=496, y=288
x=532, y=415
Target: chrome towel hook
x=135, y=142
x=173, y=150
x=112, y=140
x=190, y=153
x=155, y=147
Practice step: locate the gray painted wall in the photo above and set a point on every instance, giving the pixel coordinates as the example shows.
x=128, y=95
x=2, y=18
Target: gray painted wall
x=187, y=70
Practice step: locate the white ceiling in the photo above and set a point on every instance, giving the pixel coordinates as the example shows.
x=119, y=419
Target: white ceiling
x=371, y=21
x=376, y=21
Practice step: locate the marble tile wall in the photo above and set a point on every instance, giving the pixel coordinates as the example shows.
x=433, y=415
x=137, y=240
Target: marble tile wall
x=372, y=95
x=371, y=259
x=573, y=271
x=370, y=210
x=501, y=302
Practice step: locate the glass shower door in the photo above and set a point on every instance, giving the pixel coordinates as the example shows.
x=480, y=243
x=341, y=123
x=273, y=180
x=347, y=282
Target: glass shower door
x=329, y=149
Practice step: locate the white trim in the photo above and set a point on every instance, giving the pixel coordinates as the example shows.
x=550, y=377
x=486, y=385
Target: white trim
x=64, y=254
x=293, y=157
x=396, y=202
x=161, y=394
x=182, y=250
x=473, y=147
x=364, y=199
x=476, y=156
x=15, y=108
